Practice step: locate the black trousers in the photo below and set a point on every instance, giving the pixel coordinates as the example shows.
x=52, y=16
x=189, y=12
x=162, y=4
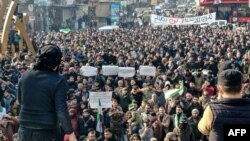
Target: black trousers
x=28, y=134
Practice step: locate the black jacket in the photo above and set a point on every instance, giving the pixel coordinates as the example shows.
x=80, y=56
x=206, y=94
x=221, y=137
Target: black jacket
x=86, y=124
x=42, y=96
x=228, y=112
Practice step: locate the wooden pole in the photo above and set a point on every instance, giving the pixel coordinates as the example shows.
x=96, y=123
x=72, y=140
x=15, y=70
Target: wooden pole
x=21, y=26
x=2, y=11
x=25, y=22
x=6, y=27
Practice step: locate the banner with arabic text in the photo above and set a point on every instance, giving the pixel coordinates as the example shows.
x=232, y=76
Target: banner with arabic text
x=161, y=20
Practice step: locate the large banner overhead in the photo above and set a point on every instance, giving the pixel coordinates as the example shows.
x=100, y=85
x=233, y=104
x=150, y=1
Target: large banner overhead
x=161, y=20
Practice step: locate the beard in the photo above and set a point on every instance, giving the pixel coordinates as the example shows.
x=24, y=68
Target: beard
x=86, y=117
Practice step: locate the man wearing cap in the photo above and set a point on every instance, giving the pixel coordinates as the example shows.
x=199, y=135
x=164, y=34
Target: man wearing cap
x=42, y=97
x=226, y=110
x=134, y=120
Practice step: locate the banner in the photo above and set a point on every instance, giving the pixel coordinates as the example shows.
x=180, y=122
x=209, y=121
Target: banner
x=110, y=70
x=126, y=72
x=115, y=13
x=89, y=71
x=161, y=20
x=147, y=71
x=104, y=97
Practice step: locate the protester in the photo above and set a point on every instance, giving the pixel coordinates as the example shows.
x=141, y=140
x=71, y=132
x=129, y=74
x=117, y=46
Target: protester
x=146, y=132
x=165, y=121
x=170, y=136
x=216, y=116
x=43, y=102
x=108, y=135
x=179, y=116
x=86, y=122
x=193, y=122
x=91, y=135
x=156, y=126
x=185, y=54
x=184, y=131
x=116, y=120
x=135, y=137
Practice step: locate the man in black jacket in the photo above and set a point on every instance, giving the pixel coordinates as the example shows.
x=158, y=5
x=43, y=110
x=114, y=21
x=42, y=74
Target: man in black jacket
x=230, y=109
x=42, y=96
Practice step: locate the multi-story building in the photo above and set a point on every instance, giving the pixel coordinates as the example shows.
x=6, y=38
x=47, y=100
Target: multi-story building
x=231, y=10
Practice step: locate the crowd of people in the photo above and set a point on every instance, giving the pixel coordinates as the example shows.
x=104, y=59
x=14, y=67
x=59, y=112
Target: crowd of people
x=139, y=110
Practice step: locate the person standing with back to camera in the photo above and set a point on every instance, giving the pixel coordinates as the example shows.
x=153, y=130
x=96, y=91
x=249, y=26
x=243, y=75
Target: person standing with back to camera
x=229, y=109
x=42, y=97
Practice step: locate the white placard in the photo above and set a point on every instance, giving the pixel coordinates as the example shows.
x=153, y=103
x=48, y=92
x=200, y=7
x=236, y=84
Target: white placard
x=110, y=70
x=105, y=98
x=161, y=20
x=205, y=72
x=126, y=71
x=147, y=71
x=89, y=71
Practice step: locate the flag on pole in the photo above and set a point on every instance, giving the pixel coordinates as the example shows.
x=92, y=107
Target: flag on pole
x=99, y=118
x=175, y=92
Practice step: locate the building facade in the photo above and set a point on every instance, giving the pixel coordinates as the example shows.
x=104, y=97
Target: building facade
x=232, y=10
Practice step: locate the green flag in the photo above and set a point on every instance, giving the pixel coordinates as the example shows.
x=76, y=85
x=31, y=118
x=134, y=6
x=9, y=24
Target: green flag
x=65, y=30
x=99, y=118
x=175, y=92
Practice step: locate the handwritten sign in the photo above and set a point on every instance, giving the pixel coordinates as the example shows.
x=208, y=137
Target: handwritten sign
x=105, y=98
x=147, y=71
x=110, y=70
x=126, y=72
x=89, y=71
x=161, y=20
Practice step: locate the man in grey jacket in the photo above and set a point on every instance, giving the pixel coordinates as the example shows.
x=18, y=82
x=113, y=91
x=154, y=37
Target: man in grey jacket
x=146, y=133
